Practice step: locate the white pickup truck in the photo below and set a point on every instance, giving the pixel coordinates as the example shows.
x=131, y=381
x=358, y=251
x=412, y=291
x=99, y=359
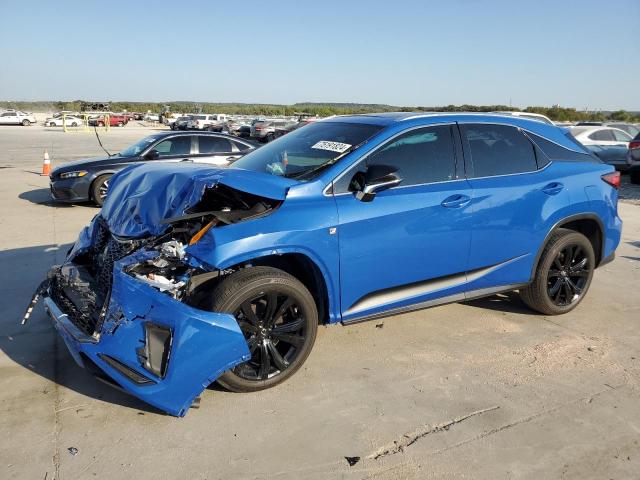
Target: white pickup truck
x=16, y=117
x=213, y=122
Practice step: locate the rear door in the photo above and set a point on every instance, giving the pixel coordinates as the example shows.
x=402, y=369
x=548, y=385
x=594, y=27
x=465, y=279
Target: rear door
x=216, y=150
x=411, y=242
x=9, y=118
x=513, y=195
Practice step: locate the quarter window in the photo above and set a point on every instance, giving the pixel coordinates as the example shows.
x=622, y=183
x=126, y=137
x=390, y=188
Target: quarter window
x=211, y=144
x=499, y=150
x=423, y=155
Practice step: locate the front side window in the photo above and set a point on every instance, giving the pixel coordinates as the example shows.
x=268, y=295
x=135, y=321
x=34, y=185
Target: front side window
x=211, y=144
x=499, y=150
x=423, y=155
x=605, y=135
x=174, y=146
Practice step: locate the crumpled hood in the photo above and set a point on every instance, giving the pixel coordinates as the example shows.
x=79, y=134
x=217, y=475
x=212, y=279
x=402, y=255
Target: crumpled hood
x=143, y=195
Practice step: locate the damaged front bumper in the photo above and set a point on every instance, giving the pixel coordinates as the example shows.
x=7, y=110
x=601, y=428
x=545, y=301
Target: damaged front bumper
x=151, y=345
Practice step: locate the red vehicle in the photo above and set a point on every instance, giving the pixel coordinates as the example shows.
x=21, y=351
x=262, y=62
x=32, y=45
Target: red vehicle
x=114, y=121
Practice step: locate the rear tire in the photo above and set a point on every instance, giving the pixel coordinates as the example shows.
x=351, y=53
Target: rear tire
x=563, y=274
x=278, y=318
x=634, y=177
x=99, y=189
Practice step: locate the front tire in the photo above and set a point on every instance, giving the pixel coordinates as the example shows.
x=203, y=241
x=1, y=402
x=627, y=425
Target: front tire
x=26, y=123
x=563, y=274
x=278, y=318
x=634, y=177
x=99, y=189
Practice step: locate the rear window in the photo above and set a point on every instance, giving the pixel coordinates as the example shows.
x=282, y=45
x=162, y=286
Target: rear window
x=200, y=117
x=499, y=150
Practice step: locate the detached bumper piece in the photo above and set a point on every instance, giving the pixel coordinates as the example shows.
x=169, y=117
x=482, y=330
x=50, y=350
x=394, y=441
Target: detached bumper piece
x=149, y=344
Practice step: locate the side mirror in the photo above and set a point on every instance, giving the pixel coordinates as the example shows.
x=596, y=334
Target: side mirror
x=152, y=155
x=377, y=179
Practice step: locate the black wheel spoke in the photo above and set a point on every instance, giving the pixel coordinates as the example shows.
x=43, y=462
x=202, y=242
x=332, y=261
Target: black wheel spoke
x=556, y=286
x=580, y=274
x=295, y=340
x=270, y=307
x=245, y=326
x=249, y=314
x=289, y=327
x=252, y=343
x=557, y=263
x=554, y=273
x=265, y=362
x=579, y=266
x=278, y=359
x=568, y=256
x=286, y=305
x=576, y=290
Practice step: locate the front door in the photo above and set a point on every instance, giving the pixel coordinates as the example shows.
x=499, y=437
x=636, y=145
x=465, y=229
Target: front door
x=411, y=242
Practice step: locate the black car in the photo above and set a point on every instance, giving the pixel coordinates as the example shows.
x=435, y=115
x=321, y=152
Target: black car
x=88, y=180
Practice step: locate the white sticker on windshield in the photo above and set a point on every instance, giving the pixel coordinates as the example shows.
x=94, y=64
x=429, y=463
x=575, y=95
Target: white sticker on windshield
x=332, y=146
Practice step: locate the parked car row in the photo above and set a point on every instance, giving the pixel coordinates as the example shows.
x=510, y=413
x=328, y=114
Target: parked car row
x=612, y=144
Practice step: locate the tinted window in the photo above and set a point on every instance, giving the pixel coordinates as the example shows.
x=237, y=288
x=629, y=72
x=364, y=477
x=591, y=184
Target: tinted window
x=499, y=150
x=602, y=136
x=621, y=136
x=174, y=146
x=420, y=156
x=558, y=153
x=211, y=144
x=241, y=146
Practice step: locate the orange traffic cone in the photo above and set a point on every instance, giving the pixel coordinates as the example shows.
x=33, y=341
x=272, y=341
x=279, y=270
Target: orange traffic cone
x=46, y=164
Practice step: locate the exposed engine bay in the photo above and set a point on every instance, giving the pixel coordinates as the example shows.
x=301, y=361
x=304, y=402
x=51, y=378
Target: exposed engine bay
x=83, y=283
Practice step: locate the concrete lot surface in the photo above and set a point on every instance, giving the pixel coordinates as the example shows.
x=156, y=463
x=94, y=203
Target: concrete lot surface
x=484, y=389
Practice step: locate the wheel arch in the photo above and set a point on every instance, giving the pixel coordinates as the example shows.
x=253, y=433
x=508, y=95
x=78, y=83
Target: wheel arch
x=303, y=265
x=96, y=176
x=588, y=224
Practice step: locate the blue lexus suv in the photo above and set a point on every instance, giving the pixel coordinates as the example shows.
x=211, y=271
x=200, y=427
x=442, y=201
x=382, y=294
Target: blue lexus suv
x=192, y=274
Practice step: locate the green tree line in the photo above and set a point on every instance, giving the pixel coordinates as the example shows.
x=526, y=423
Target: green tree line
x=322, y=109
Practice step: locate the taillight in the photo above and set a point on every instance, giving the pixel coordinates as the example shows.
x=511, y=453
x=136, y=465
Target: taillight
x=633, y=145
x=612, y=179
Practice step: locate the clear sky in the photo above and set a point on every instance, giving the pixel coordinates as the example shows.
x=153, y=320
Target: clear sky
x=578, y=53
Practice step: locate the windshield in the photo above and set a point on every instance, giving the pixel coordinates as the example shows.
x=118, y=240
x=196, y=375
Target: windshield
x=302, y=153
x=136, y=148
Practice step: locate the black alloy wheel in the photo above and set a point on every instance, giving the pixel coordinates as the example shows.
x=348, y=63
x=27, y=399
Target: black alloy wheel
x=275, y=330
x=563, y=274
x=568, y=275
x=278, y=318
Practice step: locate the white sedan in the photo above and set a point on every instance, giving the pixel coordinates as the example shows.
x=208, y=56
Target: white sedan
x=68, y=120
x=611, y=145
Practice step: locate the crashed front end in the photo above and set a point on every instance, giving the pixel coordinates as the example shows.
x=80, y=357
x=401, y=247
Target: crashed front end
x=130, y=309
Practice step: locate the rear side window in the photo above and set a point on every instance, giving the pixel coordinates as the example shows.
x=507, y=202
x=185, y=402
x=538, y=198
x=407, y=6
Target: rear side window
x=621, y=136
x=241, y=146
x=423, y=155
x=499, y=150
x=558, y=153
x=602, y=136
x=211, y=144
